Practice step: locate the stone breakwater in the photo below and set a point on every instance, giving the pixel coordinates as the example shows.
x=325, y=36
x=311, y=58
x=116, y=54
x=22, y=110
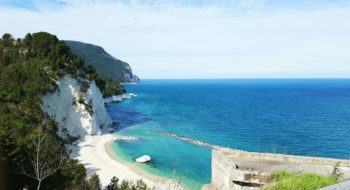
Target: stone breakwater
x=192, y=141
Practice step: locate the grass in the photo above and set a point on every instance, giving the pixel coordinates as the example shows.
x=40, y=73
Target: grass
x=291, y=181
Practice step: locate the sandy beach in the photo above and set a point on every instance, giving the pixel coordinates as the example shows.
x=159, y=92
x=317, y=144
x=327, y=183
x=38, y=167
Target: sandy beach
x=94, y=153
x=97, y=156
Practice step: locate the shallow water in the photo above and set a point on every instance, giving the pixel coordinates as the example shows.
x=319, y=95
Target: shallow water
x=302, y=117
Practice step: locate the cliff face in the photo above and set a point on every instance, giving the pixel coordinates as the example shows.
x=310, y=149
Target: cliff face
x=76, y=113
x=106, y=65
x=129, y=76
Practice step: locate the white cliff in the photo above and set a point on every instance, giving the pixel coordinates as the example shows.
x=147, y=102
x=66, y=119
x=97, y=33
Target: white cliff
x=76, y=113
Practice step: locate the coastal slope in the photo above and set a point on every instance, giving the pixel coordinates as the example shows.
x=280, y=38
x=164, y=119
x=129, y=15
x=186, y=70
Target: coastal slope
x=106, y=65
x=49, y=101
x=75, y=112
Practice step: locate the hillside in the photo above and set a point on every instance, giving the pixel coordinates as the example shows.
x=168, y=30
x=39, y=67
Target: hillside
x=106, y=65
x=48, y=98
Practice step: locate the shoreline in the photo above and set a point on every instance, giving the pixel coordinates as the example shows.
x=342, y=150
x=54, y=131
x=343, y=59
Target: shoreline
x=139, y=171
x=97, y=155
x=91, y=152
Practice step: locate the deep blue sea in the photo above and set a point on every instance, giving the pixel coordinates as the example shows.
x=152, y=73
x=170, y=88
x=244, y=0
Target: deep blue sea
x=294, y=116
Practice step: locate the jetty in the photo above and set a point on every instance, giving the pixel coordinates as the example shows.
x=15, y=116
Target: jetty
x=190, y=140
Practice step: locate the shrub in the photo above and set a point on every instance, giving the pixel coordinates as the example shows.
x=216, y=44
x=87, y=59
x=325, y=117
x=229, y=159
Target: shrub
x=94, y=182
x=109, y=87
x=126, y=185
x=291, y=181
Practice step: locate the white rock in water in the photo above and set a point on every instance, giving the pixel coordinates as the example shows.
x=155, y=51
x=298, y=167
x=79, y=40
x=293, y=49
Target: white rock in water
x=125, y=138
x=143, y=159
x=123, y=96
x=132, y=95
x=116, y=99
x=107, y=100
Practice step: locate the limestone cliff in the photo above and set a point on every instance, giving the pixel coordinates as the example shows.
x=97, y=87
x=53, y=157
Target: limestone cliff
x=77, y=112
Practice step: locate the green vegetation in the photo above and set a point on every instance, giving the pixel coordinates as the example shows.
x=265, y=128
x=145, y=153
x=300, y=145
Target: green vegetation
x=109, y=87
x=106, y=65
x=126, y=185
x=290, y=181
x=94, y=182
x=29, y=68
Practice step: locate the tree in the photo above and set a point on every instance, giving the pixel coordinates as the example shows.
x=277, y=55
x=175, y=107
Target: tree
x=90, y=72
x=74, y=174
x=42, y=163
x=109, y=87
x=126, y=185
x=27, y=40
x=94, y=182
x=7, y=40
x=113, y=185
x=140, y=185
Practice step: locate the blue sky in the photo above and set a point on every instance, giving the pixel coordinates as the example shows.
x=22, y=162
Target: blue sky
x=200, y=39
x=31, y=4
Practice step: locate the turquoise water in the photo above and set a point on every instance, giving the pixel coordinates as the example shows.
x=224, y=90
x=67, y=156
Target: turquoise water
x=302, y=117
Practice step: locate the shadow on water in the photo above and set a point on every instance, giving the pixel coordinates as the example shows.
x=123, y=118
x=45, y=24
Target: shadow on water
x=126, y=116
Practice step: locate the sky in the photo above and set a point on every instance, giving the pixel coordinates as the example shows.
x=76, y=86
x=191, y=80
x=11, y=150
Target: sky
x=196, y=39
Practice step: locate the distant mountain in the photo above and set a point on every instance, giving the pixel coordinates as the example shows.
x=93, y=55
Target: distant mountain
x=106, y=65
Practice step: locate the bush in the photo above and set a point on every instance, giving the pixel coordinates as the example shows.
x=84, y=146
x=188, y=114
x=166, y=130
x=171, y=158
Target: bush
x=94, y=182
x=109, y=87
x=126, y=185
x=74, y=173
x=290, y=181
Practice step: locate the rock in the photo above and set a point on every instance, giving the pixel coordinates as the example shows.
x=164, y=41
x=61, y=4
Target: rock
x=125, y=138
x=116, y=99
x=107, y=100
x=143, y=159
x=76, y=113
x=135, y=79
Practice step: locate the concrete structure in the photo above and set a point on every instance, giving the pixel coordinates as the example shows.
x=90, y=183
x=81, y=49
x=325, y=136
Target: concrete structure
x=340, y=186
x=235, y=169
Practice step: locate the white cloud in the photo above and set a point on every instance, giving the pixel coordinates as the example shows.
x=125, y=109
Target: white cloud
x=171, y=41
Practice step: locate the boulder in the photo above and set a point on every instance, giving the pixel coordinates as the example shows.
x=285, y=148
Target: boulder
x=116, y=99
x=143, y=159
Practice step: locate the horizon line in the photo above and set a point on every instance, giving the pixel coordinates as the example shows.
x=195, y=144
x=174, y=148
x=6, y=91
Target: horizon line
x=252, y=78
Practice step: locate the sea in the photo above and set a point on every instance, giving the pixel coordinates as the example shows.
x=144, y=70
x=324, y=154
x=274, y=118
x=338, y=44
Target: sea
x=308, y=117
